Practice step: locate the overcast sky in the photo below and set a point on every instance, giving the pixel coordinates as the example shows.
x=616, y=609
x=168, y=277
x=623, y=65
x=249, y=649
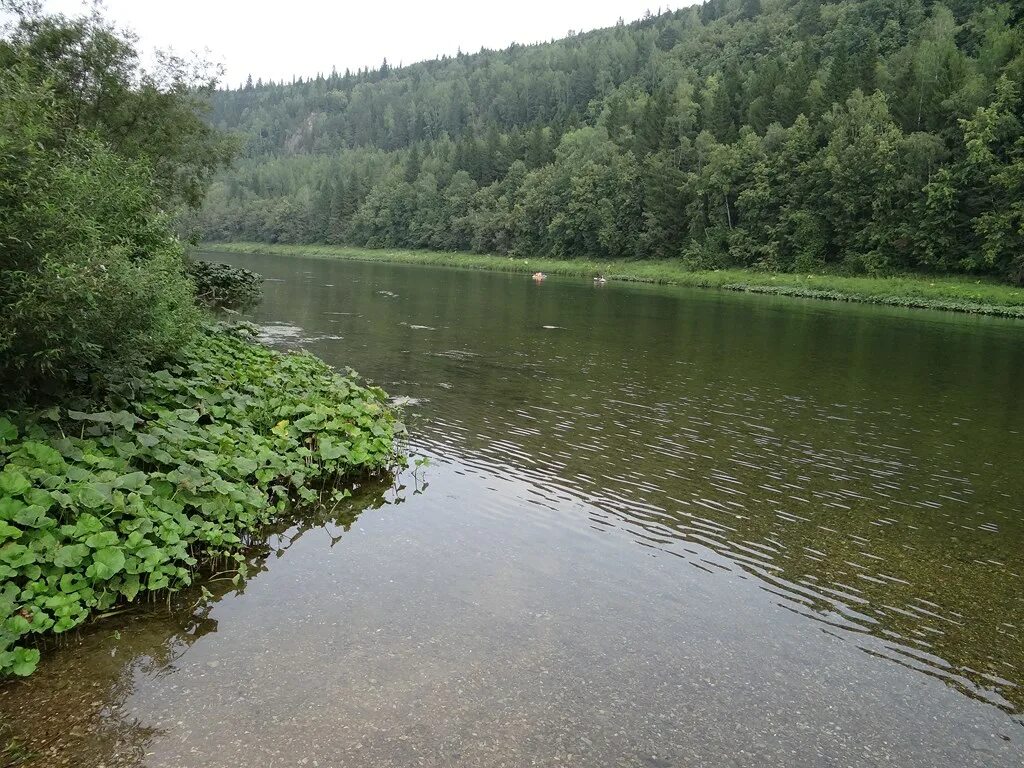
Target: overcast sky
x=302, y=37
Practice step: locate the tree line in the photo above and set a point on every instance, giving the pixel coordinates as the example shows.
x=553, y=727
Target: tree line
x=863, y=136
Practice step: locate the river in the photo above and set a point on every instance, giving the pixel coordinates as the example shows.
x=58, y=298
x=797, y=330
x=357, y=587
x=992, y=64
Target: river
x=656, y=527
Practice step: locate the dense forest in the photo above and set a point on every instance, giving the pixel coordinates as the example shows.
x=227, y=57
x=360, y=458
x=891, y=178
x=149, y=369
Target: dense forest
x=863, y=136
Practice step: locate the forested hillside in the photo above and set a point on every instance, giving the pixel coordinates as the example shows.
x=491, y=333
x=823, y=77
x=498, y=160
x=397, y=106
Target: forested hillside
x=861, y=136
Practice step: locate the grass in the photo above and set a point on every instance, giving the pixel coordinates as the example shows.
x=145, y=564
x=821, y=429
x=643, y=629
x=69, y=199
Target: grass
x=956, y=294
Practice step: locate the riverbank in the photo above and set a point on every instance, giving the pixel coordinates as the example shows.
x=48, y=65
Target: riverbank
x=979, y=296
x=134, y=491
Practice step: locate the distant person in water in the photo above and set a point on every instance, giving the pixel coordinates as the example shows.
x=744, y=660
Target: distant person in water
x=538, y=276
x=600, y=280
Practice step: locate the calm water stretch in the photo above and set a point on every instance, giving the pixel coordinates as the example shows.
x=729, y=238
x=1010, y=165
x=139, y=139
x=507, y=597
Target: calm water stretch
x=658, y=527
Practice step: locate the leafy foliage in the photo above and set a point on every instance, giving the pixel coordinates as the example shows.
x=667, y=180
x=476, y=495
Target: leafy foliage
x=222, y=285
x=95, y=84
x=91, y=274
x=101, y=505
x=93, y=153
x=856, y=137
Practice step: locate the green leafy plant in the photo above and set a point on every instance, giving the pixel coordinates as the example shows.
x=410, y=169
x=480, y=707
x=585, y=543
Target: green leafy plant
x=224, y=286
x=185, y=463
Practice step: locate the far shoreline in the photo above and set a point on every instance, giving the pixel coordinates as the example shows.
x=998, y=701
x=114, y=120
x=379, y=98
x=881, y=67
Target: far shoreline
x=952, y=294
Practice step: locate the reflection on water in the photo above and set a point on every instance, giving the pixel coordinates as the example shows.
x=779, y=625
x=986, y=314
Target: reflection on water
x=863, y=464
x=662, y=527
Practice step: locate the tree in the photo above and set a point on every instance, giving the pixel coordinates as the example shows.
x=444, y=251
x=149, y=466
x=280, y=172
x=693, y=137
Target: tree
x=716, y=110
x=930, y=74
x=780, y=207
x=855, y=53
x=93, y=153
x=413, y=164
x=91, y=274
x=995, y=159
x=663, y=199
x=861, y=165
x=94, y=75
x=651, y=131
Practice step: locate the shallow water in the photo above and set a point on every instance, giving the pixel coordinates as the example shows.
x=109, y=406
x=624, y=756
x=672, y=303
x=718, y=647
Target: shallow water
x=659, y=527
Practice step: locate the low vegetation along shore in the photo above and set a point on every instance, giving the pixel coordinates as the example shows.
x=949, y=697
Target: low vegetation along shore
x=103, y=502
x=957, y=294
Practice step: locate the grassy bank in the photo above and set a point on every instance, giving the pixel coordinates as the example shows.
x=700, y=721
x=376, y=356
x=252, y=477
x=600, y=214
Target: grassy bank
x=129, y=494
x=947, y=293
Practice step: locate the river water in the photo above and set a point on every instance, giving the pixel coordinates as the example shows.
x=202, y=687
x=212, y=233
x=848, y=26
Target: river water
x=657, y=527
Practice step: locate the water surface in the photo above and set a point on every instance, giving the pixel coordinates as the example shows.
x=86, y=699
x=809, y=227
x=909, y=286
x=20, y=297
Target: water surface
x=659, y=527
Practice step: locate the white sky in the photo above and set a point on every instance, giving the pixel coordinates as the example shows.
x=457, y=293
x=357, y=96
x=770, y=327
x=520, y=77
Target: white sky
x=302, y=37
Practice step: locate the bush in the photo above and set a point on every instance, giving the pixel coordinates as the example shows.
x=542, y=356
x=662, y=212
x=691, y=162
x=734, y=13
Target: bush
x=222, y=285
x=102, y=504
x=91, y=276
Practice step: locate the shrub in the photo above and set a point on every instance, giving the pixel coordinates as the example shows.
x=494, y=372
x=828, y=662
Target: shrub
x=222, y=285
x=91, y=276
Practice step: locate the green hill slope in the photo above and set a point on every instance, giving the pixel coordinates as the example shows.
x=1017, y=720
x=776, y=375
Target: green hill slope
x=866, y=136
